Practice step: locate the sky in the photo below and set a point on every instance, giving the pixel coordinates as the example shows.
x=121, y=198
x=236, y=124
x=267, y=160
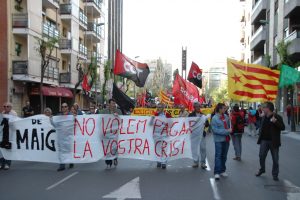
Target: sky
x=210, y=30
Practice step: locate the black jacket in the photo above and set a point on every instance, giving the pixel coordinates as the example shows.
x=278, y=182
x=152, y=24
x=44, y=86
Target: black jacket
x=193, y=114
x=275, y=130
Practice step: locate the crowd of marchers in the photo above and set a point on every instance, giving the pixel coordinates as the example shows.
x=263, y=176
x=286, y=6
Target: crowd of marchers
x=225, y=124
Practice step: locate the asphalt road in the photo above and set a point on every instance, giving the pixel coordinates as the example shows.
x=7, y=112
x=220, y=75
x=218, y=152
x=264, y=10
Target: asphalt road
x=137, y=179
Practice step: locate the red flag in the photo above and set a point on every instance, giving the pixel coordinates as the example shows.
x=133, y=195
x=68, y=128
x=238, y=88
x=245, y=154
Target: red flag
x=195, y=75
x=128, y=68
x=85, y=83
x=184, y=92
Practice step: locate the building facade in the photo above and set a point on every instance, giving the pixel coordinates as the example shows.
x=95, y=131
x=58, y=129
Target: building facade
x=272, y=21
x=79, y=27
x=115, y=28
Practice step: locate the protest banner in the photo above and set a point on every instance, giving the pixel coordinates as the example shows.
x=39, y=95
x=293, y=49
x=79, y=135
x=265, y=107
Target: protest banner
x=88, y=138
x=172, y=111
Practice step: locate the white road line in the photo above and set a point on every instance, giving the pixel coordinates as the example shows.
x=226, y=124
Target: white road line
x=292, y=195
x=207, y=164
x=61, y=181
x=215, y=189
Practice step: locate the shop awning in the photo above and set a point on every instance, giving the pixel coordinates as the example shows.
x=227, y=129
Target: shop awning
x=53, y=91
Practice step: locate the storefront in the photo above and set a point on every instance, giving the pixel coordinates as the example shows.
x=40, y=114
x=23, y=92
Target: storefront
x=53, y=98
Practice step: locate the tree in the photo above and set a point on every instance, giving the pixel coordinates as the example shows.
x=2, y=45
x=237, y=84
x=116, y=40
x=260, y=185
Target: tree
x=286, y=58
x=220, y=94
x=45, y=49
x=107, y=76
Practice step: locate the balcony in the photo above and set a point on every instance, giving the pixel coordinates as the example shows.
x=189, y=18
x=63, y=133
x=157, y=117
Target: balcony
x=291, y=8
x=261, y=60
x=20, y=24
x=65, y=9
x=65, y=77
x=82, y=20
x=93, y=7
x=294, y=46
x=242, y=39
x=258, y=38
x=50, y=31
x=20, y=67
x=51, y=73
x=82, y=51
x=53, y=4
x=259, y=11
x=93, y=32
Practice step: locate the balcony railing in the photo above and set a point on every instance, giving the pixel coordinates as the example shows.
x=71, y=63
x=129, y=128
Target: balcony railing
x=82, y=17
x=65, y=77
x=82, y=49
x=65, y=9
x=91, y=26
x=20, y=67
x=96, y=2
x=51, y=72
x=292, y=36
x=258, y=31
x=20, y=20
x=65, y=44
x=97, y=55
x=50, y=31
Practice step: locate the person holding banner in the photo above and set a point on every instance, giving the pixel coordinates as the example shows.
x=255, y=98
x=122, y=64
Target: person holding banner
x=160, y=112
x=65, y=111
x=112, y=109
x=220, y=125
x=183, y=112
x=48, y=112
x=7, y=109
x=199, y=139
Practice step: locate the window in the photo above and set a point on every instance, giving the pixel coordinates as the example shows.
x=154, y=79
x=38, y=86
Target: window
x=286, y=32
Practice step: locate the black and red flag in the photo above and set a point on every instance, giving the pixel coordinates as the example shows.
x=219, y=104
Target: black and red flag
x=195, y=75
x=128, y=68
x=124, y=101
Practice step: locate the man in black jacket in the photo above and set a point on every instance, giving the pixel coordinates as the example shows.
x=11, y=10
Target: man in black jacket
x=201, y=138
x=269, y=139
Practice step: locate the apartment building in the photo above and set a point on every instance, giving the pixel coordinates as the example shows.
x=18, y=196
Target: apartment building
x=79, y=25
x=272, y=21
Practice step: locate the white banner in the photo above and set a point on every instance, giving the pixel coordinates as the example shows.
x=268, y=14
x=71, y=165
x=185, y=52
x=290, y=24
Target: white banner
x=88, y=138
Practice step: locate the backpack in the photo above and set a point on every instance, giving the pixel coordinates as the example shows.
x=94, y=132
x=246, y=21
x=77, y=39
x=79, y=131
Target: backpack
x=239, y=124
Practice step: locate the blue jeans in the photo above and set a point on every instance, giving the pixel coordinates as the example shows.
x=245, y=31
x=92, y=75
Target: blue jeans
x=237, y=144
x=221, y=150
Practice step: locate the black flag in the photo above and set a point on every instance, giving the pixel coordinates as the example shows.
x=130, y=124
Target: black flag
x=124, y=101
x=128, y=68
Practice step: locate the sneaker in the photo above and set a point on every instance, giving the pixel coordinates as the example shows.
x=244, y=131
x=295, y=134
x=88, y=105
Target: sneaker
x=163, y=166
x=6, y=167
x=275, y=178
x=224, y=174
x=195, y=165
x=237, y=158
x=158, y=165
x=217, y=177
x=203, y=166
x=61, y=169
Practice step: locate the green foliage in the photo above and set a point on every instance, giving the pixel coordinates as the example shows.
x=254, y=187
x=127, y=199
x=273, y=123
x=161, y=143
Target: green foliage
x=282, y=50
x=220, y=94
x=107, y=76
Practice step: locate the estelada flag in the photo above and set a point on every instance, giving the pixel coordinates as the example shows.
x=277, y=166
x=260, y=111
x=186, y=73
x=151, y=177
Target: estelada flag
x=128, y=68
x=195, y=75
x=184, y=92
x=251, y=83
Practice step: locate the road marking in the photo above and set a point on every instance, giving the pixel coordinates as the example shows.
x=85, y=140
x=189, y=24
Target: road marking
x=207, y=164
x=61, y=181
x=292, y=195
x=130, y=190
x=215, y=189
